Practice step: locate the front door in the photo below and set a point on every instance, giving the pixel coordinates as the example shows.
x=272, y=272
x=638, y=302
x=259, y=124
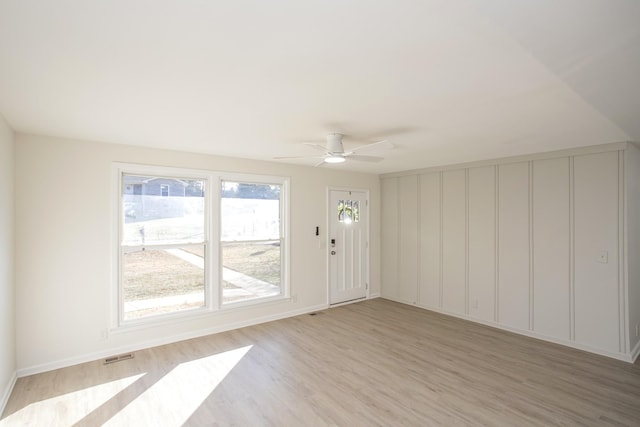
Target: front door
x=348, y=244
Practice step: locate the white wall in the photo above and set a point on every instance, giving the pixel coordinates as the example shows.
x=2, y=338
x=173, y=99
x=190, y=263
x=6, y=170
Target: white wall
x=632, y=169
x=64, y=247
x=7, y=283
x=530, y=244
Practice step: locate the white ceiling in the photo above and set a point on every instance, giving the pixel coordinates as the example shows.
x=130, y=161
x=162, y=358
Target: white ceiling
x=446, y=81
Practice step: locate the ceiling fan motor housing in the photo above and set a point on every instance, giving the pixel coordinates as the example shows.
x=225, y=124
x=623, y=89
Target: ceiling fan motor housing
x=334, y=143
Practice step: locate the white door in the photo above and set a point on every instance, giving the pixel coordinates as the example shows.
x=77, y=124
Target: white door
x=348, y=241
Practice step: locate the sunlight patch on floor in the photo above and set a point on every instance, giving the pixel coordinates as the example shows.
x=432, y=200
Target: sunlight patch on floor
x=70, y=406
x=179, y=393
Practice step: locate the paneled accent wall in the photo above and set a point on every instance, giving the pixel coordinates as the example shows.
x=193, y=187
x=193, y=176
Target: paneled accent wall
x=514, y=245
x=596, y=250
x=454, y=241
x=532, y=245
x=551, y=224
x=389, y=235
x=430, y=289
x=632, y=243
x=408, y=249
x=482, y=232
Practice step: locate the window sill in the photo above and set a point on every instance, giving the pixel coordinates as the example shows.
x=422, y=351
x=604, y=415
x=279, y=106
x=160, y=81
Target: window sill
x=173, y=318
x=230, y=306
x=161, y=320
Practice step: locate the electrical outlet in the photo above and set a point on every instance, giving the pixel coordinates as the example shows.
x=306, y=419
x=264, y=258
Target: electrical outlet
x=104, y=334
x=294, y=298
x=475, y=303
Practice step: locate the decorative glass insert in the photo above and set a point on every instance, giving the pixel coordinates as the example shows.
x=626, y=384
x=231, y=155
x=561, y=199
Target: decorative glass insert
x=348, y=211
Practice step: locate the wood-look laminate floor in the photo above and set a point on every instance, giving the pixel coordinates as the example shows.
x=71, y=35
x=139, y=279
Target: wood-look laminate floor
x=371, y=363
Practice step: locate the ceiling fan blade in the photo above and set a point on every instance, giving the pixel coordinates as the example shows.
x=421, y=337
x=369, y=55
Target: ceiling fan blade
x=316, y=146
x=297, y=157
x=359, y=158
x=380, y=145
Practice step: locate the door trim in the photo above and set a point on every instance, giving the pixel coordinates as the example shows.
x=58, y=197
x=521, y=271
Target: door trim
x=328, y=211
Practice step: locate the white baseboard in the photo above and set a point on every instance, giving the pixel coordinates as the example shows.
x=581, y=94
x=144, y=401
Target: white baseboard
x=614, y=355
x=63, y=363
x=89, y=357
x=635, y=352
x=401, y=301
x=7, y=392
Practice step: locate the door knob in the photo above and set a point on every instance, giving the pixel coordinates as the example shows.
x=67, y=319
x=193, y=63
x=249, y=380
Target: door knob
x=333, y=252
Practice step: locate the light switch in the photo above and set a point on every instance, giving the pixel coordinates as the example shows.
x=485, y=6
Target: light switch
x=603, y=257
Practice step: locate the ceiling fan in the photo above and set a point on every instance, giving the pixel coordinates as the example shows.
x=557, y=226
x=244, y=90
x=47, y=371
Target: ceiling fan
x=334, y=151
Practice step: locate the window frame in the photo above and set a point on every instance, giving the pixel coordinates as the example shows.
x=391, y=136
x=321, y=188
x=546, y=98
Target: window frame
x=212, y=243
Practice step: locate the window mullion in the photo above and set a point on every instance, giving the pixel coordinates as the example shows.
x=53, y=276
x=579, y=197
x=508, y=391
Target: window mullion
x=163, y=246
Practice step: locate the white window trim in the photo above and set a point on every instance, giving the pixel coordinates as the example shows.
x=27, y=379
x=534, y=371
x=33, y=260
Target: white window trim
x=213, y=272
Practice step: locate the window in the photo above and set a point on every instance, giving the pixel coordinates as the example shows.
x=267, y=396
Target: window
x=163, y=248
x=348, y=211
x=197, y=241
x=251, y=240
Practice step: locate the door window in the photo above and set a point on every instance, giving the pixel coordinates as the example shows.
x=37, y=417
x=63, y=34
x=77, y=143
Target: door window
x=348, y=211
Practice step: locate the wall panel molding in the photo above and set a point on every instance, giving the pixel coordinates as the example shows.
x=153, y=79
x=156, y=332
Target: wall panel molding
x=572, y=254
x=623, y=326
x=594, y=149
x=440, y=174
x=507, y=230
x=531, y=249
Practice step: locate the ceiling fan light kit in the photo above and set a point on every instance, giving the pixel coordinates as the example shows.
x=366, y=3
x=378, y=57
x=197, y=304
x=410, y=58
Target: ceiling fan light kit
x=334, y=159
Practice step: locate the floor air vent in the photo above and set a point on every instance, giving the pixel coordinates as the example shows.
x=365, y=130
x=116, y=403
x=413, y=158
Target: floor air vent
x=114, y=359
